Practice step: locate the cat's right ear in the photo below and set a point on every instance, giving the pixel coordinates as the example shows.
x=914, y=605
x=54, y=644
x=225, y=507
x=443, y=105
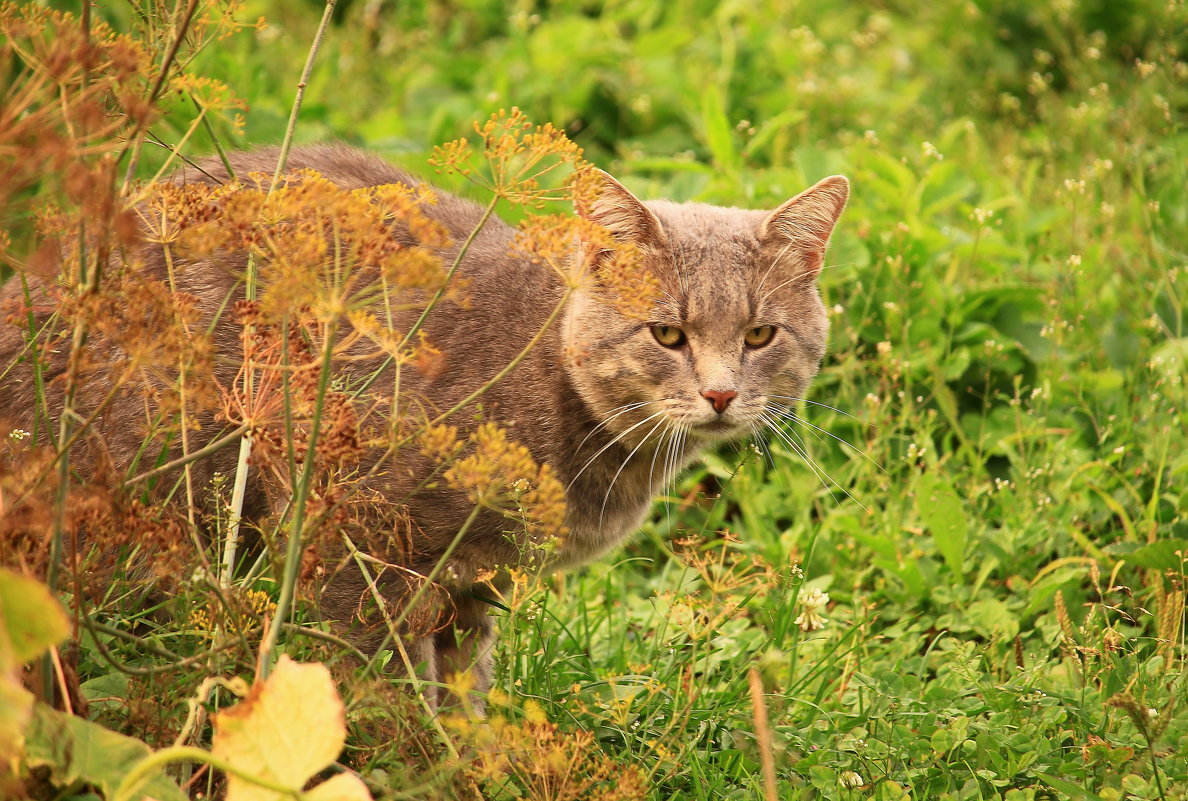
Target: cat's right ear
x=622, y=214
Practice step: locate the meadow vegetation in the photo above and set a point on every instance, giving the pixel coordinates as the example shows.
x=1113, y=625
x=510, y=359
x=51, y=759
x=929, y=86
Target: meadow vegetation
x=957, y=572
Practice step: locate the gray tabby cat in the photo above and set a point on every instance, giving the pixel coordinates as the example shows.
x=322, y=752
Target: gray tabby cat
x=614, y=404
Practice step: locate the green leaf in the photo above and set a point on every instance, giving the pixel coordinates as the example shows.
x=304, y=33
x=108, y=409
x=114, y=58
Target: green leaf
x=77, y=750
x=1073, y=791
x=991, y=617
x=1160, y=555
x=941, y=510
x=716, y=127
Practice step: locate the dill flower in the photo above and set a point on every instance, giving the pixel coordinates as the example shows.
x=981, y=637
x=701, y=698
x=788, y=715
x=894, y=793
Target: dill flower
x=501, y=474
x=519, y=157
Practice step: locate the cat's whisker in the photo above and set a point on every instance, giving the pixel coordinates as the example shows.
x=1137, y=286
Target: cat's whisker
x=630, y=456
x=788, y=414
x=760, y=441
x=672, y=460
x=614, y=440
x=822, y=476
x=666, y=467
x=822, y=405
x=774, y=426
x=616, y=412
x=668, y=429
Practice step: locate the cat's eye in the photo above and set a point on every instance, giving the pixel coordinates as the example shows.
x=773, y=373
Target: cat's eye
x=668, y=335
x=759, y=336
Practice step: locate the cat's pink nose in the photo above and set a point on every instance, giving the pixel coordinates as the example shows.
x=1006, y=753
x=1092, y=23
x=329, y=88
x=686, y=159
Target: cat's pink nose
x=720, y=400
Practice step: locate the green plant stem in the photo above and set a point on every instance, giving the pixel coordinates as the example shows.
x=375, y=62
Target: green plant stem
x=89, y=281
x=425, y=583
x=512, y=365
x=239, y=492
x=409, y=667
x=325, y=636
x=136, y=138
x=211, y=447
x=306, y=71
x=144, y=769
x=92, y=626
x=375, y=468
x=214, y=137
x=35, y=360
x=297, y=516
x=437, y=296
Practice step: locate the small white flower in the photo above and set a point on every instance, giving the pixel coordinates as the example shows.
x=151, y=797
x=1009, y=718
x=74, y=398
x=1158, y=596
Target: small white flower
x=931, y=151
x=811, y=604
x=18, y=434
x=850, y=780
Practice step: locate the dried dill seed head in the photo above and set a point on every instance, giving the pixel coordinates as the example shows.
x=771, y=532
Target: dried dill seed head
x=519, y=157
x=440, y=442
x=501, y=474
x=585, y=256
x=322, y=251
x=542, y=758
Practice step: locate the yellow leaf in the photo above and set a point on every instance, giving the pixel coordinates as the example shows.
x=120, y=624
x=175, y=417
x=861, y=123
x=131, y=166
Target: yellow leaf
x=343, y=787
x=31, y=620
x=287, y=729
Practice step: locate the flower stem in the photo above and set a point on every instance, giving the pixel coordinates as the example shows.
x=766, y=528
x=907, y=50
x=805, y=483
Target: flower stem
x=239, y=491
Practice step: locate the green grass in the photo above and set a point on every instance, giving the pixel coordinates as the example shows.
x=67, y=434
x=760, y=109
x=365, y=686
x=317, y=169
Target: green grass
x=1006, y=371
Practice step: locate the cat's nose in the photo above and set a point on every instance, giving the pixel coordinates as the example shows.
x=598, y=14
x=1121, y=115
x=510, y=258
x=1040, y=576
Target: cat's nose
x=719, y=399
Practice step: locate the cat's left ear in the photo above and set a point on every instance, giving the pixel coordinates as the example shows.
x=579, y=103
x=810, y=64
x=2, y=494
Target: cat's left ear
x=802, y=226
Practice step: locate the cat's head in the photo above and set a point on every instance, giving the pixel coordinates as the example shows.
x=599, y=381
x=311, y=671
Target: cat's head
x=738, y=326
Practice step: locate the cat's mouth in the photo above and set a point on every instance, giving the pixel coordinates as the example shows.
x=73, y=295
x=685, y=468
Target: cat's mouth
x=718, y=429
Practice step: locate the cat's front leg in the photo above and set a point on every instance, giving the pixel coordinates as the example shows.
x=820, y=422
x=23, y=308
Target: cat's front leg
x=464, y=649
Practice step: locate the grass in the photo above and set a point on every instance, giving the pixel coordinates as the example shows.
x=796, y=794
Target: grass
x=989, y=485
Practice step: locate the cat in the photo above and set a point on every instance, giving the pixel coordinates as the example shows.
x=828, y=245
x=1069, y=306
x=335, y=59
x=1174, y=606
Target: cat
x=613, y=404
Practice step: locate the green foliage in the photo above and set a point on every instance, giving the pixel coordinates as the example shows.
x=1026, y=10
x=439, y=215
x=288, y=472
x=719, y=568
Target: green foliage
x=1002, y=540
x=78, y=752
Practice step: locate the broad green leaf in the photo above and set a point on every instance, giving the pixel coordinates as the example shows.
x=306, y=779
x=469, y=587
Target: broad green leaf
x=942, y=512
x=992, y=617
x=77, y=750
x=15, y=705
x=1071, y=789
x=289, y=727
x=1160, y=555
